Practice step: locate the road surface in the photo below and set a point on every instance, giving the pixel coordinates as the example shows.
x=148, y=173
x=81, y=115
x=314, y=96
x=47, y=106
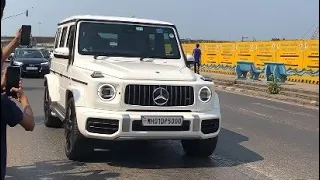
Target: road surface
x=260, y=139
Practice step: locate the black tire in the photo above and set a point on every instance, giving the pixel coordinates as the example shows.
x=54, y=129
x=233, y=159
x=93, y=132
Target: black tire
x=76, y=145
x=49, y=120
x=200, y=148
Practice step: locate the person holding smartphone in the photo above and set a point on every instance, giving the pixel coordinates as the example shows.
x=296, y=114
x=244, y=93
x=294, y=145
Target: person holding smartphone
x=11, y=114
x=6, y=51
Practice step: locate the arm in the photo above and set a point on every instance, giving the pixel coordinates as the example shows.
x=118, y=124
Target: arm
x=3, y=79
x=28, y=119
x=6, y=51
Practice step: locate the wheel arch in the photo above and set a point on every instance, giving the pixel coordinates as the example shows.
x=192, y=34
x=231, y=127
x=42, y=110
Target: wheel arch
x=77, y=93
x=52, y=82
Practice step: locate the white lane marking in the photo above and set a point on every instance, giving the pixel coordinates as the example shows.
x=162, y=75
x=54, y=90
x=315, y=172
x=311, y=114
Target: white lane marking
x=285, y=110
x=238, y=165
x=261, y=171
x=249, y=112
x=271, y=118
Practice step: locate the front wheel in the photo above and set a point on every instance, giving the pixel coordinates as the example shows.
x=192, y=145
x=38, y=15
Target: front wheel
x=200, y=148
x=76, y=145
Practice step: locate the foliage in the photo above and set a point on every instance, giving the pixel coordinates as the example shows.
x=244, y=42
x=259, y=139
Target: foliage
x=274, y=86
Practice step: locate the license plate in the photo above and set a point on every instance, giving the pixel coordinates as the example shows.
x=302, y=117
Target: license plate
x=162, y=120
x=31, y=68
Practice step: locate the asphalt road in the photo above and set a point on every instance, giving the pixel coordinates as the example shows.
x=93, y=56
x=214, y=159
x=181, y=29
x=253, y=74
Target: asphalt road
x=260, y=139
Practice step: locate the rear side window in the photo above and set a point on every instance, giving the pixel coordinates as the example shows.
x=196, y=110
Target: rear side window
x=63, y=37
x=58, y=34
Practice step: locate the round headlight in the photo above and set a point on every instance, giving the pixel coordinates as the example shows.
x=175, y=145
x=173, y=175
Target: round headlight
x=205, y=94
x=106, y=92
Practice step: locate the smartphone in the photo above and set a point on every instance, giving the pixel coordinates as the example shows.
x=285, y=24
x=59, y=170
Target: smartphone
x=25, y=35
x=13, y=79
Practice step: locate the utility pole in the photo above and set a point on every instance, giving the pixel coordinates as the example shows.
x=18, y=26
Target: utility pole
x=39, y=25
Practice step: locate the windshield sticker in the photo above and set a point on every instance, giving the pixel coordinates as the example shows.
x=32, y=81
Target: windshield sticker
x=171, y=35
x=160, y=31
x=139, y=28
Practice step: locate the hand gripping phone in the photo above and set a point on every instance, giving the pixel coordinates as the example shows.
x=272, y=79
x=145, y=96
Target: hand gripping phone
x=13, y=79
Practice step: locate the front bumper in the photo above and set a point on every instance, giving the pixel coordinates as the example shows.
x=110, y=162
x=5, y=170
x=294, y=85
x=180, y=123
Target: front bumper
x=127, y=125
x=40, y=70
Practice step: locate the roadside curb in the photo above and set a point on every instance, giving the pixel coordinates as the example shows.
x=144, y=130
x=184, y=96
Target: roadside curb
x=234, y=89
x=239, y=82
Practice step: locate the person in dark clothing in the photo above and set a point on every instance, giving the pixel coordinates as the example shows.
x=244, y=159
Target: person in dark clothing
x=197, y=58
x=11, y=114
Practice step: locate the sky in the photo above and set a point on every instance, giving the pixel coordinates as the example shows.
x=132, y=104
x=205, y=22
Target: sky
x=202, y=19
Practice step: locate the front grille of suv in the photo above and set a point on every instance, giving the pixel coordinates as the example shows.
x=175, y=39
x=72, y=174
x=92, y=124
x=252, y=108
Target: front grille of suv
x=142, y=95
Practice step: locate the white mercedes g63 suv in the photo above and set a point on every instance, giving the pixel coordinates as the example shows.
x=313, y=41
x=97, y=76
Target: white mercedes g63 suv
x=114, y=78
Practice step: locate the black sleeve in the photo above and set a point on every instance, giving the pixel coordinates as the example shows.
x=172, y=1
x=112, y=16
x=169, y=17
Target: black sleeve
x=12, y=113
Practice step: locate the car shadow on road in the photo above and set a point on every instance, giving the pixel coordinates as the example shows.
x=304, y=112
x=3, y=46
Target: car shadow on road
x=38, y=120
x=169, y=154
x=57, y=170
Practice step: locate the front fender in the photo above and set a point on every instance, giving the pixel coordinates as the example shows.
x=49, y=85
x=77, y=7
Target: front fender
x=216, y=103
x=78, y=94
x=52, y=82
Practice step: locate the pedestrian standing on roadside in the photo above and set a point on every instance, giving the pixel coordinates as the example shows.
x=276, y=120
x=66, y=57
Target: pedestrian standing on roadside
x=11, y=114
x=197, y=58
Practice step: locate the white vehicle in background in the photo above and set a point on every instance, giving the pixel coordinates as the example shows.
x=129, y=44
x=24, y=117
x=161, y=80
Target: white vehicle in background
x=10, y=57
x=51, y=54
x=115, y=78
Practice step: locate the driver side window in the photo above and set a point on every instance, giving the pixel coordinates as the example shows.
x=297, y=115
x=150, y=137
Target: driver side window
x=56, y=43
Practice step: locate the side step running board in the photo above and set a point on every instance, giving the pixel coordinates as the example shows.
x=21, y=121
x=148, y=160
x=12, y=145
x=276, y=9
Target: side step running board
x=58, y=111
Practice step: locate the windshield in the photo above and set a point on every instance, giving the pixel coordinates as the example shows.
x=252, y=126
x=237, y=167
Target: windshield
x=126, y=40
x=28, y=53
x=45, y=53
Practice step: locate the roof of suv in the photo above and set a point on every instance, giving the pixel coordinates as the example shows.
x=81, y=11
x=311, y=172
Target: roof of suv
x=113, y=18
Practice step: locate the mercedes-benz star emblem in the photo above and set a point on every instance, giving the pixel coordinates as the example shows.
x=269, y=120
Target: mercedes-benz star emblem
x=160, y=96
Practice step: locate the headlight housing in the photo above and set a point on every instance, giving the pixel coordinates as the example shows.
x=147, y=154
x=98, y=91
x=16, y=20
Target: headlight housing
x=205, y=94
x=17, y=63
x=45, y=63
x=107, y=92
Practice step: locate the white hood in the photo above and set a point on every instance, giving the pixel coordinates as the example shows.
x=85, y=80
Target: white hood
x=136, y=70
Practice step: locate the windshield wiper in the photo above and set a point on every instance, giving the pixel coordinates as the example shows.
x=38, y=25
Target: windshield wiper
x=98, y=55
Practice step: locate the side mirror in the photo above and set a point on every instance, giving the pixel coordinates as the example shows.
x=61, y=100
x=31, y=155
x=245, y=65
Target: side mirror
x=62, y=53
x=190, y=58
